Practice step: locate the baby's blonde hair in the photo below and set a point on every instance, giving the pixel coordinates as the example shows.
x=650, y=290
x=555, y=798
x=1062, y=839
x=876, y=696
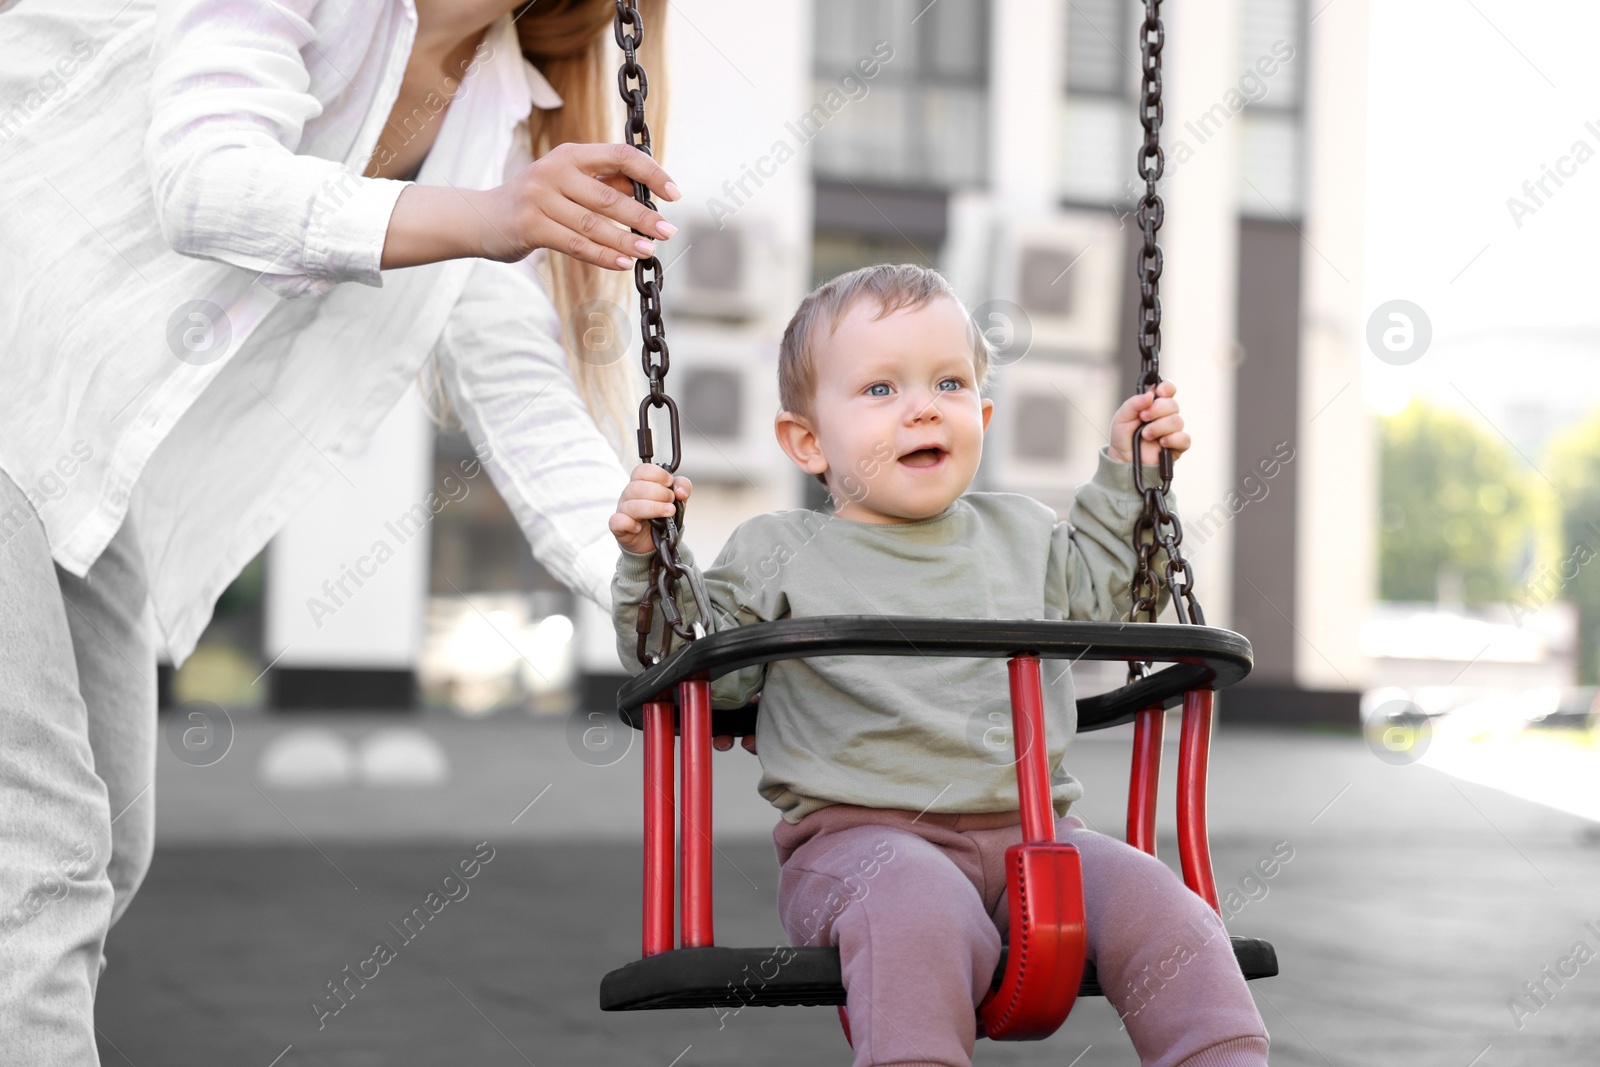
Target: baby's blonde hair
x=894, y=286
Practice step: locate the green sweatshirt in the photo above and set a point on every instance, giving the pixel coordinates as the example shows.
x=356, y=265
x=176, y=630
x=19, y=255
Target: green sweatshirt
x=908, y=732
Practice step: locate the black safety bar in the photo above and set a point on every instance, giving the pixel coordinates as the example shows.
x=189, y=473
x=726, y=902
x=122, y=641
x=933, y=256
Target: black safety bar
x=1202, y=657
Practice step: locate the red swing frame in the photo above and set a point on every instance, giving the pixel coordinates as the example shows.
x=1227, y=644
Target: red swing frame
x=1048, y=938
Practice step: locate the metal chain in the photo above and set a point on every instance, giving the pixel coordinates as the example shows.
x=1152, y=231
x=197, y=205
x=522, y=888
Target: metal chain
x=1156, y=528
x=665, y=565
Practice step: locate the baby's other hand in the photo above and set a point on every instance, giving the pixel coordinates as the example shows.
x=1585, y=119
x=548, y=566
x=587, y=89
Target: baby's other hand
x=1160, y=423
x=723, y=742
x=649, y=495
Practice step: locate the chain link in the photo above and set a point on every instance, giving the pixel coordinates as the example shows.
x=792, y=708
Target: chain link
x=665, y=565
x=1156, y=528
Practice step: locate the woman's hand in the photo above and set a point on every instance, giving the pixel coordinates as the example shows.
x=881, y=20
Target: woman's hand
x=572, y=200
x=649, y=495
x=1162, y=426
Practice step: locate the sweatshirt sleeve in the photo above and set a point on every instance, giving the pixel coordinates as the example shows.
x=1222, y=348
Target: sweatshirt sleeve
x=736, y=595
x=229, y=100
x=1091, y=554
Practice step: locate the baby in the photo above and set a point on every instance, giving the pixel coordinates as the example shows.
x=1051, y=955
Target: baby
x=896, y=814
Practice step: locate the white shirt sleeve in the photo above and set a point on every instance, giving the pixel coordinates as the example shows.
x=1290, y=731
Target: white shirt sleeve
x=505, y=369
x=229, y=100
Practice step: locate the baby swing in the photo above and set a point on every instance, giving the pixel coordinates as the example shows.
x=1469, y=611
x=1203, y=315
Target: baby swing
x=1042, y=970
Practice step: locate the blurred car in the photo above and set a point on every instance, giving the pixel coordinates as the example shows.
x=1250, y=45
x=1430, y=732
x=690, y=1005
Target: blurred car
x=1577, y=707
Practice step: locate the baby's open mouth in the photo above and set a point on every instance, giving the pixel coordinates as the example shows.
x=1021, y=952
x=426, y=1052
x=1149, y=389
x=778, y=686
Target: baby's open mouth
x=923, y=457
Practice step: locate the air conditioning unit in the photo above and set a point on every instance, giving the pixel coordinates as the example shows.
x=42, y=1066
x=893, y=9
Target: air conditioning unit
x=718, y=271
x=1050, y=419
x=1065, y=272
x=726, y=388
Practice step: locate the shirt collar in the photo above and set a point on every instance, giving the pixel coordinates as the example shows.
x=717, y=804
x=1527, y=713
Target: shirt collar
x=525, y=86
x=540, y=92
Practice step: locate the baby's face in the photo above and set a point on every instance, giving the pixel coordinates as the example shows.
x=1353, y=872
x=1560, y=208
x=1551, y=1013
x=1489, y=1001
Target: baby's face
x=897, y=418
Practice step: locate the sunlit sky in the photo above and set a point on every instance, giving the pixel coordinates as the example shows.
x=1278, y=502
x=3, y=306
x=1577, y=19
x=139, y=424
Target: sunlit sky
x=1468, y=100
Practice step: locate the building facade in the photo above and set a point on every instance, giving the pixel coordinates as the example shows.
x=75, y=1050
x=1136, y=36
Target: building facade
x=995, y=141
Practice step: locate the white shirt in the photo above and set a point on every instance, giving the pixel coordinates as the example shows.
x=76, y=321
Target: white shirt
x=211, y=150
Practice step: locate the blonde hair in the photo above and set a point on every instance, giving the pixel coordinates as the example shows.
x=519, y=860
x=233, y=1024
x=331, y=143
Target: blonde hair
x=572, y=44
x=894, y=286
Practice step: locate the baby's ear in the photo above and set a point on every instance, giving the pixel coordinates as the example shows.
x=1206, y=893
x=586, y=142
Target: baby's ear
x=988, y=410
x=799, y=442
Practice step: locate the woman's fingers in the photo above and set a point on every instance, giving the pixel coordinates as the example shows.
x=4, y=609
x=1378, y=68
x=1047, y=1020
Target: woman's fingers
x=613, y=243
x=562, y=239
x=626, y=160
x=614, y=201
x=596, y=227
x=599, y=179
x=577, y=199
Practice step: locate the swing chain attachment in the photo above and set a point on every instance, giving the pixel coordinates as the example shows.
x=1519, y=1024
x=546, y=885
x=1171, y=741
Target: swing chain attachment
x=1156, y=528
x=665, y=565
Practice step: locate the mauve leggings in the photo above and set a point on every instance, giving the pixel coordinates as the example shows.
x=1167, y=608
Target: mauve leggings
x=916, y=905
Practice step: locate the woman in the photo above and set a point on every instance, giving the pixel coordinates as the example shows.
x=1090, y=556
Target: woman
x=195, y=185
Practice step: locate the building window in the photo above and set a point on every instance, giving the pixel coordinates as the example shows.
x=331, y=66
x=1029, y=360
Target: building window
x=1099, y=118
x=498, y=632
x=1272, y=65
x=1099, y=123
x=921, y=119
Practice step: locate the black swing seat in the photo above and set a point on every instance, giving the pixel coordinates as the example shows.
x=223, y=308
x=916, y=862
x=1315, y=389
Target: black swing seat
x=718, y=977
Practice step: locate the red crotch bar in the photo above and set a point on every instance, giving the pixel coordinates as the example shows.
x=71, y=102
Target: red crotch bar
x=1027, y=738
x=658, y=862
x=1044, y=889
x=1144, y=777
x=1046, y=946
x=1194, y=752
x=694, y=832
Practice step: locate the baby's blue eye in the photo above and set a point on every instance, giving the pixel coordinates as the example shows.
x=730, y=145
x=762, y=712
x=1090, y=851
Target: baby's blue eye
x=872, y=389
x=954, y=383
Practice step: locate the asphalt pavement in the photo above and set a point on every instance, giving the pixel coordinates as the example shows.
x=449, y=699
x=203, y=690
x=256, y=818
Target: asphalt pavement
x=1415, y=908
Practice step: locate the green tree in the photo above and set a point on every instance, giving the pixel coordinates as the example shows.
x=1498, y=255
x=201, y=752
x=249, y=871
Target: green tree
x=1572, y=460
x=1455, y=497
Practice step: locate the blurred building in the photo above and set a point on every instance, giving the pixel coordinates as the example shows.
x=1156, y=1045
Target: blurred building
x=995, y=141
